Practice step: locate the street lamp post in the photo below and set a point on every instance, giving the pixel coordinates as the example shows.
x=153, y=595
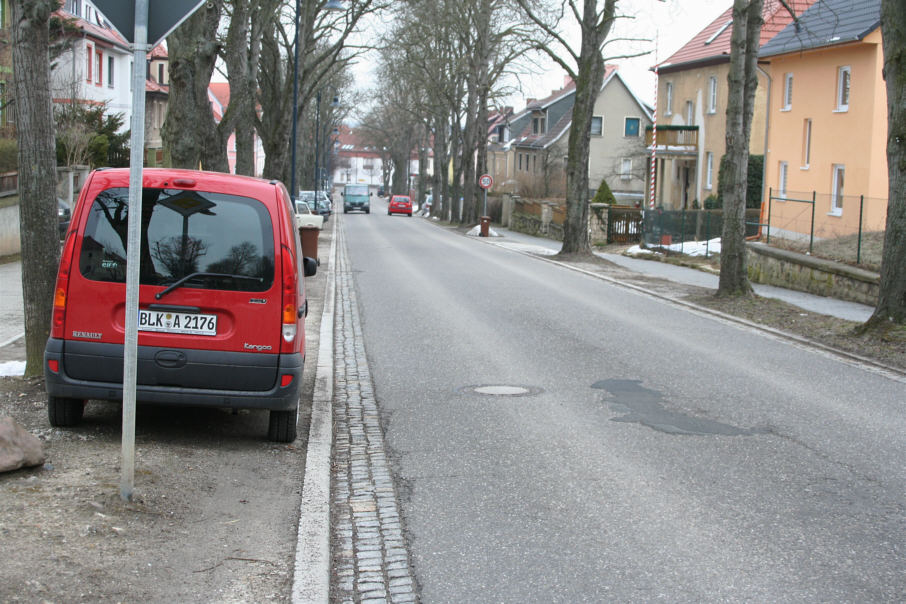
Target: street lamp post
x=332, y=5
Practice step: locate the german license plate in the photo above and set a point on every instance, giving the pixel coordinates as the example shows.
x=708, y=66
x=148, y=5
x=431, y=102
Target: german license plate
x=177, y=322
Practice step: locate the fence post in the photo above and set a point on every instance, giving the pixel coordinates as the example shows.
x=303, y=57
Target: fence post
x=682, y=234
x=859, y=240
x=811, y=236
x=770, y=201
x=707, y=233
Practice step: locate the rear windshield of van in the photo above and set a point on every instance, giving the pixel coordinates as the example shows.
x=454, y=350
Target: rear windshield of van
x=225, y=241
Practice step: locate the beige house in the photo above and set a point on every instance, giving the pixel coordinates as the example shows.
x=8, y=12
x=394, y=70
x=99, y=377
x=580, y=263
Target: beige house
x=527, y=153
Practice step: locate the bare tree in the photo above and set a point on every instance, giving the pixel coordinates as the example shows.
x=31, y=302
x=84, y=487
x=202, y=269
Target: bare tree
x=190, y=133
x=586, y=67
x=742, y=81
x=891, y=306
x=37, y=172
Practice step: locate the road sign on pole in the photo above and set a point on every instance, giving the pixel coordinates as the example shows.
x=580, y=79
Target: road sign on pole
x=138, y=23
x=485, y=181
x=163, y=17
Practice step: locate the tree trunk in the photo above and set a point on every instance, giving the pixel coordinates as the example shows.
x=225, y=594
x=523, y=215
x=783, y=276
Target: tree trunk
x=190, y=132
x=742, y=81
x=241, y=59
x=588, y=86
x=37, y=173
x=892, y=295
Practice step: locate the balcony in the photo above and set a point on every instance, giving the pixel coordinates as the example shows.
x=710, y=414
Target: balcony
x=674, y=138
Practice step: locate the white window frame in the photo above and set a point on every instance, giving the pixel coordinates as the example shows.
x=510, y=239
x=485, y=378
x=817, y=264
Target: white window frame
x=839, y=174
x=626, y=168
x=712, y=94
x=600, y=119
x=669, y=108
x=690, y=113
x=806, y=143
x=783, y=173
x=844, y=87
x=98, y=67
x=787, y=92
x=111, y=61
x=709, y=170
x=89, y=63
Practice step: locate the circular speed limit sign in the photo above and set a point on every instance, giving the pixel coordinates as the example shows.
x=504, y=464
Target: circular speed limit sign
x=485, y=181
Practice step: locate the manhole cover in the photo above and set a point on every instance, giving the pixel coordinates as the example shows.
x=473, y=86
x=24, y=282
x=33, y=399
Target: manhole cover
x=502, y=390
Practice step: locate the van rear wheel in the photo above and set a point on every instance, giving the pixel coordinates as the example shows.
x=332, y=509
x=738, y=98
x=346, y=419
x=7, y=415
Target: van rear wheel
x=282, y=426
x=63, y=411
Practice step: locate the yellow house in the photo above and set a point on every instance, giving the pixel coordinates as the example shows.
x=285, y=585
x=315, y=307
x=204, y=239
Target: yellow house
x=692, y=109
x=827, y=134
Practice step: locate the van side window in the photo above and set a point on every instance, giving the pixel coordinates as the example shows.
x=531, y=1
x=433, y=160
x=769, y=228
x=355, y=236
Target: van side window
x=183, y=232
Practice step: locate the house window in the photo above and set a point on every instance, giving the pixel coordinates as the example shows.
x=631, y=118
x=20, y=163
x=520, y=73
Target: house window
x=843, y=77
x=787, y=92
x=110, y=72
x=837, y=194
x=782, y=177
x=690, y=113
x=712, y=94
x=632, y=126
x=73, y=6
x=669, y=109
x=538, y=125
x=534, y=163
x=806, y=143
x=626, y=168
x=89, y=62
x=709, y=170
x=597, y=125
x=520, y=161
x=160, y=73
x=98, y=67
x=131, y=76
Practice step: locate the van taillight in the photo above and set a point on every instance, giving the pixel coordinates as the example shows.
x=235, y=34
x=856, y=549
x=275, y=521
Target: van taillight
x=290, y=300
x=61, y=288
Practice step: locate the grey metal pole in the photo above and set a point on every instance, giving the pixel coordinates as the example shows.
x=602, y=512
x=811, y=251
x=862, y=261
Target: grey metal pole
x=317, y=148
x=133, y=247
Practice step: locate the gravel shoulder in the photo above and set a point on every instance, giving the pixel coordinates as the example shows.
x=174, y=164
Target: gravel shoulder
x=215, y=511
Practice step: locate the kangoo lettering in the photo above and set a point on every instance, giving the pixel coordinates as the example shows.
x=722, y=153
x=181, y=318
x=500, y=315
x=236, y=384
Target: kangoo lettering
x=258, y=347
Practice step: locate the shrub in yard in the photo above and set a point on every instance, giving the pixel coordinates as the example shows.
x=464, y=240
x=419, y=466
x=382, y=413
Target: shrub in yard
x=9, y=161
x=604, y=194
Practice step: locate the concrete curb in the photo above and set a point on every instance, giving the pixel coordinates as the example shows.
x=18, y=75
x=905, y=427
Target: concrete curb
x=311, y=577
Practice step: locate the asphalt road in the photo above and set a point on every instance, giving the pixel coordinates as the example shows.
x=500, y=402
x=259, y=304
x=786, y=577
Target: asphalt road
x=654, y=453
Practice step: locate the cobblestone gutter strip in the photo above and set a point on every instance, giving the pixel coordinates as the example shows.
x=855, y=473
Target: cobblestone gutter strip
x=311, y=577
x=370, y=559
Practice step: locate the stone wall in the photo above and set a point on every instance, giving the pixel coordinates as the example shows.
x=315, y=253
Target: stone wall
x=801, y=272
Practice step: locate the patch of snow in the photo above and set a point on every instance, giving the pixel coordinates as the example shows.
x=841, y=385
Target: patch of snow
x=475, y=232
x=10, y=368
x=689, y=248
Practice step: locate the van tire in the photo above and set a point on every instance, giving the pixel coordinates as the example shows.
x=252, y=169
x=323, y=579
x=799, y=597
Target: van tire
x=64, y=411
x=282, y=426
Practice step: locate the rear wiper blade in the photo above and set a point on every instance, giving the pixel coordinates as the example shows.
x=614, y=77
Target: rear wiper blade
x=178, y=283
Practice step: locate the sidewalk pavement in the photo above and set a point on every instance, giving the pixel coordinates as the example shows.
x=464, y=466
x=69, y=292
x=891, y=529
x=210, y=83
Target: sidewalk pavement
x=818, y=304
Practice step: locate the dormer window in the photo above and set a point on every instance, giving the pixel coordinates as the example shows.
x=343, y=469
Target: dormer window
x=539, y=125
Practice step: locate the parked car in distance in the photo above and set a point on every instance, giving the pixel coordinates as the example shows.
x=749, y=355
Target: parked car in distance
x=400, y=204
x=63, y=216
x=306, y=218
x=221, y=297
x=357, y=197
x=318, y=202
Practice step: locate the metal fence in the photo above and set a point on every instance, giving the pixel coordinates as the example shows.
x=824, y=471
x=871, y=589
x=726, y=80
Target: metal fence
x=674, y=229
x=845, y=228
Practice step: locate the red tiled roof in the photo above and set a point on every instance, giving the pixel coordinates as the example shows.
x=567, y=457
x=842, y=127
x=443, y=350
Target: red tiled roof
x=713, y=42
x=152, y=86
x=221, y=92
x=103, y=34
x=158, y=52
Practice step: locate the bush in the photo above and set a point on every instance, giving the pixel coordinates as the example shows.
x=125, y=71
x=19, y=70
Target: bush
x=604, y=194
x=9, y=155
x=712, y=202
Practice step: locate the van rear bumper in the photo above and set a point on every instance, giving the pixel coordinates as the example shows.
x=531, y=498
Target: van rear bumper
x=274, y=397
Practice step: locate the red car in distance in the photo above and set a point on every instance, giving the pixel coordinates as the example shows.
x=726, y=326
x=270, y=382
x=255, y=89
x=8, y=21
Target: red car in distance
x=400, y=204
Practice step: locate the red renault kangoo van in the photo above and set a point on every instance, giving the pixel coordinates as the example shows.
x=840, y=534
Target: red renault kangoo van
x=221, y=297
